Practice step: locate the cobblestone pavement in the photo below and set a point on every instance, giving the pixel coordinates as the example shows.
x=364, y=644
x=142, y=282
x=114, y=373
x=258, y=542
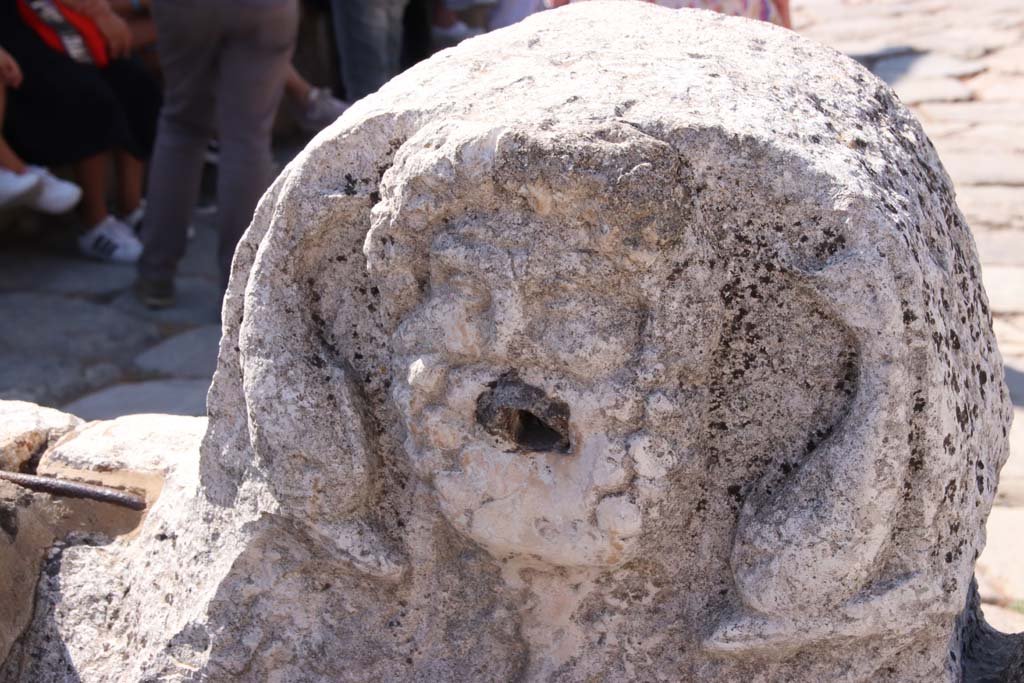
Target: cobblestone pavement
x=73, y=336
x=960, y=67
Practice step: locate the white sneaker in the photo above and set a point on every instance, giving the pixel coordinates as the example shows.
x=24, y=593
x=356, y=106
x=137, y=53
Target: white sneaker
x=134, y=219
x=447, y=36
x=320, y=110
x=111, y=240
x=55, y=195
x=16, y=188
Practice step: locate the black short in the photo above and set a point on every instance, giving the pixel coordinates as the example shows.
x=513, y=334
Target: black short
x=65, y=111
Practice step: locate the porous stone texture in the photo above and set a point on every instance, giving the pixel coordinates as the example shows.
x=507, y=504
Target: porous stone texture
x=26, y=430
x=597, y=348
x=35, y=526
x=57, y=552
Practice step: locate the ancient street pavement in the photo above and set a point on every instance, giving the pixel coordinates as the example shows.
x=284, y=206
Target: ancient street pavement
x=960, y=67
x=73, y=336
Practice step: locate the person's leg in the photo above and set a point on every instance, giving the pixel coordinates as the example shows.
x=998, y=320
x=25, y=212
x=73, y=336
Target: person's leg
x=106, y=238
x=189, y=34
x=369, y=36
x=91, y=174
x=33, y=186
x=254, y=66
x=130, y=174
x=8, y=159
x=138, y=98
x=297, y=87
x=16, y=184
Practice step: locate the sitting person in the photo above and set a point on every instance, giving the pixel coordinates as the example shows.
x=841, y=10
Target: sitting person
x=82, y=103
x=773, y=11
x=21, y=183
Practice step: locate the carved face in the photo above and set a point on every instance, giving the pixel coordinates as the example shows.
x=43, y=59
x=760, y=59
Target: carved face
x=518, y=378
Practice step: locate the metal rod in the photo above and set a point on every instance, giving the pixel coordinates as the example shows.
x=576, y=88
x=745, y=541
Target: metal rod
x=75, y=489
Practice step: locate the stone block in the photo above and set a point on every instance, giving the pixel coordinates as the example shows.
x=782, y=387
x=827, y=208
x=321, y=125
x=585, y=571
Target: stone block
x=575, y=355
x=26, y=430
x=173, y=396
x=190, y=354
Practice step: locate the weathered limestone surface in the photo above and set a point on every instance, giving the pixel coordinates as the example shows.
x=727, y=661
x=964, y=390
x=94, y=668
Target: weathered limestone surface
x=133, y=452
x=598, y=348
x=26, y=430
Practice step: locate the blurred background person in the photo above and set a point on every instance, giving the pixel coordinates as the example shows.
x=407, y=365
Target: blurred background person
x=20, y=183
x=225, y=63
x=369, y=36
x=772, y=11
x=82, y=103
x=508, y=12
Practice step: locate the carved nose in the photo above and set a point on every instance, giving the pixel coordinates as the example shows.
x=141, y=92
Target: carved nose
x=524, y=415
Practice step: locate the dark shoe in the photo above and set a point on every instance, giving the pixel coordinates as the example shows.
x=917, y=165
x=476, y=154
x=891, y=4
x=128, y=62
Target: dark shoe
x=154, y=293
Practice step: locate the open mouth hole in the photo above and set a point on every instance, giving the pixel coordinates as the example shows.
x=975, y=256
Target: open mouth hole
x=524, y=415
x=531, y=433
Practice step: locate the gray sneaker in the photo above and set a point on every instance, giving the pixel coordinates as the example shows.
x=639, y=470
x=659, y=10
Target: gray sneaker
x=154, y=294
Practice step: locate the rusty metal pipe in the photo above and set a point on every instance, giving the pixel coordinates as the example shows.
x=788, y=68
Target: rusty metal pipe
x=75, y=489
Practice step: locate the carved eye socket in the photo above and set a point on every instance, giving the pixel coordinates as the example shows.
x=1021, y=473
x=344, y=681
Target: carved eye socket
x=524, y=415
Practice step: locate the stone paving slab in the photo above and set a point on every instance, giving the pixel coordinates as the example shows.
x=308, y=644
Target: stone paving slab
x=1011, y=478
x=61, y=273
x=47, y=324
x=991, y=137
x=980, y=139
x=967, y=43
x=1000, y=248
x=1006, y=113
x=1004, y=619
x=171, y=396
x=1010, y=334
x=992, y=208
x=201, y=255
x=1005, y=287
x=985, y=168
x=50, y=380
x=1014, y=366
x=1008, y=61
x=996, y=86
x=894, y=70
x=198, y=301
x=921, y=90
x=189, y=354
x=999, y=565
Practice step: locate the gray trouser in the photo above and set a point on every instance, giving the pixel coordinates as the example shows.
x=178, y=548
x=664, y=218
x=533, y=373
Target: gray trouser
x=369, y=36
x=224, y=65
